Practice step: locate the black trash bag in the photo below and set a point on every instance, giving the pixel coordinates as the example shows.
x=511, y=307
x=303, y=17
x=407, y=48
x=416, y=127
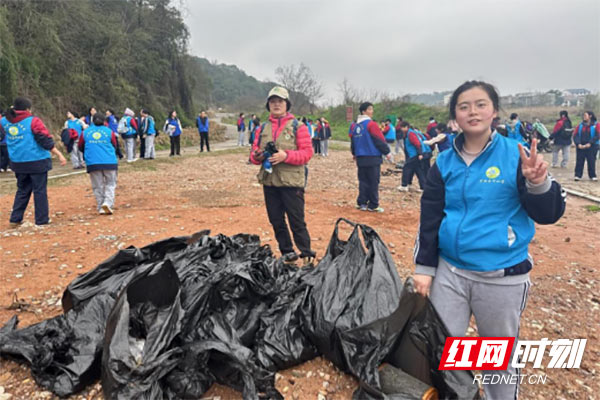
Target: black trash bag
x=355, y=293
x=221, y=359
x=139, y=331
x=113, y=274
x=64, y=351
x=418, y=350
x=281, y=341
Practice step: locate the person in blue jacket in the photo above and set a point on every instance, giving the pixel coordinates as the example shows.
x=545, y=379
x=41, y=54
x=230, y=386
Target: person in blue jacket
x=368, y=147
x=515, y=130
x=586, y=136
x=29, y=146
x=148, y=129
x=173, y=128
x=75, y=127
x=202, y=123
x=478, y=210
x=99, y=147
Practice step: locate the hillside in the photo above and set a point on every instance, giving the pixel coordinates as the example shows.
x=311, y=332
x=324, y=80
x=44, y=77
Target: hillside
x=70, y=55
x=228, y=85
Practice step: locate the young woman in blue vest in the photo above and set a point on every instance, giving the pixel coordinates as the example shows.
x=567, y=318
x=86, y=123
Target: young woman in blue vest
x=414, y=154
x=98, y=145
x=173, y=129
x=203, y=124
x=477, y=219
x=29, y=146
x=586, y=136
x=88, y=118
x=148, y=128
x=515, y=130
x=562, y=136
x=128, y=128
x=75, y=127
x=368, y=147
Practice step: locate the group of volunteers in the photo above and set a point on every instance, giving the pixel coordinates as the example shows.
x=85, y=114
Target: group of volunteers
x=479, y=202
x=93, y=142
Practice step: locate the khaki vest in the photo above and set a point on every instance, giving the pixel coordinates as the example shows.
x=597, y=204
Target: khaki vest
x=283, y=175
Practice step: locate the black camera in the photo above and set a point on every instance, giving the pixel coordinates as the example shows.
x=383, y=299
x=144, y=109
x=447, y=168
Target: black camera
x=271, y=148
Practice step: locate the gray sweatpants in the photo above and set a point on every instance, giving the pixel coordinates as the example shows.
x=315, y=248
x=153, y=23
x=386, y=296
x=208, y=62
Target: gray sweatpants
x=130, y=148
x=399, y=146
x=149, y=149
x=104, y=183
x=76, y=157
x=241, y=138
x=565, y=155
x=325, y=147
x=497, y=310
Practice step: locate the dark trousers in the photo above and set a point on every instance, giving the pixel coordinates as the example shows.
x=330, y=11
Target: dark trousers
x=142, y=146
x=281, y=201
x=27, y=183
x=204, y=139
x=584, y=155
x=368, y=186
x=316, y=146
x=175, y=144
x=426, y=164
x=411, y=167
x=3, y=156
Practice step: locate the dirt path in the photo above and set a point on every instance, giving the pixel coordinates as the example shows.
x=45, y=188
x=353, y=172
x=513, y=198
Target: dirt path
x=218, y=191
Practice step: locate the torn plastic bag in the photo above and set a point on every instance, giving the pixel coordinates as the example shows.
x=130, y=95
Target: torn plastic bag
x=64, y=351
x=419, y=349
x=139, y=331
x=354, y=295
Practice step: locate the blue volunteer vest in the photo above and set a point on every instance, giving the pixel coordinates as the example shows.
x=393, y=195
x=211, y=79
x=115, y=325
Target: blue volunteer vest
x=151, y=126
x=411, y=150
x=20, y=142
x=98, y=146
x=112, y=123
x=593, y=138
x=362, y=140
x=75, y=125
x=391, y=135
x=515, y=133
x=485, y=227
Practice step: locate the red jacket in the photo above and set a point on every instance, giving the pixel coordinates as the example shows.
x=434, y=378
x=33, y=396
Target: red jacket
x=304, y=150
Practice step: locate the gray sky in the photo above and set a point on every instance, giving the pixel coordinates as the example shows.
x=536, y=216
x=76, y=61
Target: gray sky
x=402, y=46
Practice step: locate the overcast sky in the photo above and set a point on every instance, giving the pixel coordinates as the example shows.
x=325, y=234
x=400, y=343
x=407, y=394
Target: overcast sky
x=401, y=46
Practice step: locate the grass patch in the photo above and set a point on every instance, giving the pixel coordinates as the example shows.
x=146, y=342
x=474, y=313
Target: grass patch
x=593, y=208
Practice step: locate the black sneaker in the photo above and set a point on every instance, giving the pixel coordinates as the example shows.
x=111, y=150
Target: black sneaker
x=289, y=258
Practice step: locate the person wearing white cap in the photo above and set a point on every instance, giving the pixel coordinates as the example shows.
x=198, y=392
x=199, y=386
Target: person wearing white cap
x=285, y=144
x=128, y=128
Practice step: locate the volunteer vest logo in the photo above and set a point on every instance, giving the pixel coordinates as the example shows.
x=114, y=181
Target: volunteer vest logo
x=13, y=131
x=492, y=172
x=96, y=135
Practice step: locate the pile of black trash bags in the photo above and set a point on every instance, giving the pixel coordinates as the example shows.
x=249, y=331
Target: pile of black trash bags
x=170, y=319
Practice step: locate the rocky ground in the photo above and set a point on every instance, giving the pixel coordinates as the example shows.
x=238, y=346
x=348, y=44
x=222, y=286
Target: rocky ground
x=174, y=196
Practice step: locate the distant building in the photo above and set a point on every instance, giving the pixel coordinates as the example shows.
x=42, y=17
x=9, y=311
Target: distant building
x=574, y=97
x=529, y=99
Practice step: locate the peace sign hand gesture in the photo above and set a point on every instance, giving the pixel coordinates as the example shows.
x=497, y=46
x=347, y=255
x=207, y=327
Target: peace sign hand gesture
x=533, y=167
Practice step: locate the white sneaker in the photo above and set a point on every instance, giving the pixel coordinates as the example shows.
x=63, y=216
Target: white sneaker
x=417, y=190
x=577, y=179
x=594, y=179
x=402, y=188
x=101, y=211
x=107, y=209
